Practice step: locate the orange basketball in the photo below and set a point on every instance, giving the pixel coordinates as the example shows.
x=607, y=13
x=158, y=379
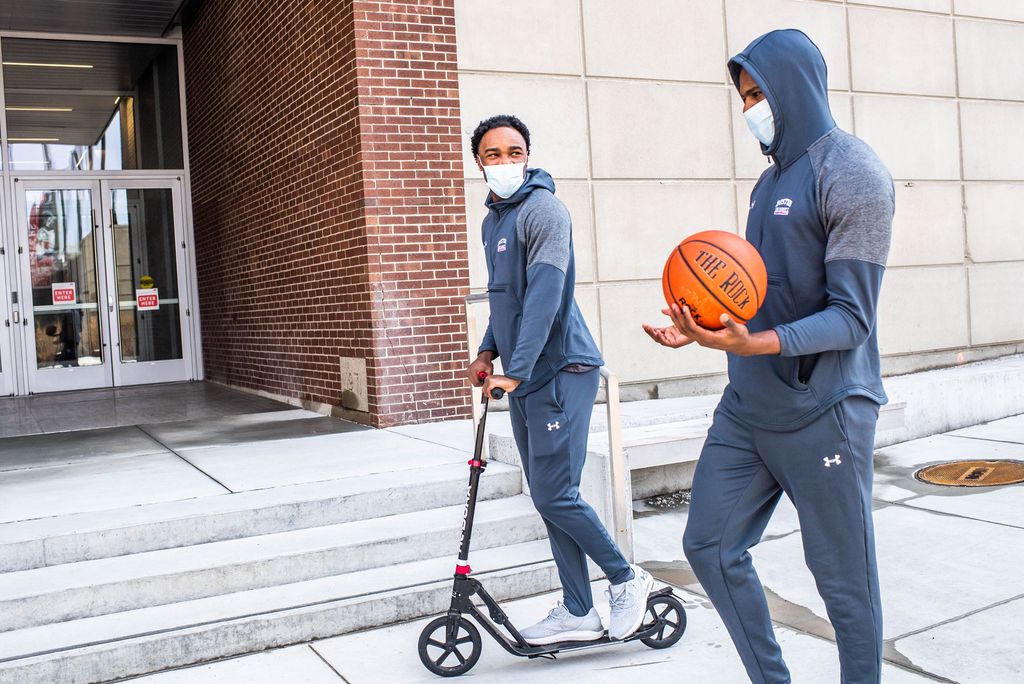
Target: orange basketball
x=715, y=272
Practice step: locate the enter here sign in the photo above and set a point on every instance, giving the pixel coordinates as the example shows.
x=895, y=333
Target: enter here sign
x=147, y=300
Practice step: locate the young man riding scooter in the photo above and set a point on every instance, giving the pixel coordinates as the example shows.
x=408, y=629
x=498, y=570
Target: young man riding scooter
x=551, y=375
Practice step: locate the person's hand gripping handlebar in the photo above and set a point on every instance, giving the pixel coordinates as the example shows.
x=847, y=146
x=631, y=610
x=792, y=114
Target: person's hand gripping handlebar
x=496, y=392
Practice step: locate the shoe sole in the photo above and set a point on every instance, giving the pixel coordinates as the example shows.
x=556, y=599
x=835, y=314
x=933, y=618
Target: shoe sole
x=578, y=635
x=648, y=586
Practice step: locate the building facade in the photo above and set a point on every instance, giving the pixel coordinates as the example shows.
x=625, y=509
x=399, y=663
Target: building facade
x=279, y=196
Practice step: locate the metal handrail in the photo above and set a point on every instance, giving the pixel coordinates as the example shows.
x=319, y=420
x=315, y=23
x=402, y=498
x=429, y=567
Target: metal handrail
x=622, y=487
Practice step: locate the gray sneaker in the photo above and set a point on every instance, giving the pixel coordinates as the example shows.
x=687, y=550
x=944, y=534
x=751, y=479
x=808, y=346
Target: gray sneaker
x=561, y=625
x=628, y=602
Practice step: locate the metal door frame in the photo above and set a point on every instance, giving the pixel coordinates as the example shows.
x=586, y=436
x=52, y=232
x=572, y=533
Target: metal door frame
x=147, y=372
x=13, y=370
x=73, y=377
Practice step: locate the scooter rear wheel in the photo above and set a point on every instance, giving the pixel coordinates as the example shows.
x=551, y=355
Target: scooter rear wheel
x=449, y=652
x=668, y=614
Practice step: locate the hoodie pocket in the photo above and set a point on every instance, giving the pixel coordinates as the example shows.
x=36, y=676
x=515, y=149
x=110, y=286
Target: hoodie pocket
x=505, y=315
x=779, y=308
x=805, y=367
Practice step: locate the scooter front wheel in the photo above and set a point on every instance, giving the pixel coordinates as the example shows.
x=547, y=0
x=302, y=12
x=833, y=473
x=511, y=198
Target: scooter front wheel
x=450, y=647
x=667, y=614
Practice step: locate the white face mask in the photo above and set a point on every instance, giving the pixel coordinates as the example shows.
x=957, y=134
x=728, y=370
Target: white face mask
x=760, y=121
x=504, y=179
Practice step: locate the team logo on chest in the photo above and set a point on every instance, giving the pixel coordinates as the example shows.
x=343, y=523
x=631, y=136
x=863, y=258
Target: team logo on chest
x=502, y=244
x=782, y=206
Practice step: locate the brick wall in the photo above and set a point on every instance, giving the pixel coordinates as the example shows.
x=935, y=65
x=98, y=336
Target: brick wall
x=415, y=208
x=328, y=202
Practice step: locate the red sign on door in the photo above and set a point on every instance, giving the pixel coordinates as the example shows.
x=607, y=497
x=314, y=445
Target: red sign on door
x=147, y=300
x=63, y=293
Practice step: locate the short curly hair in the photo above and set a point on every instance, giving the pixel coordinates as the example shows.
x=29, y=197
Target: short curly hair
x=499, y=121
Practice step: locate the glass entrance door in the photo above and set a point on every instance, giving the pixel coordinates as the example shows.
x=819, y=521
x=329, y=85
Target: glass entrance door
x=102, y=276
x=65, y=343
x=147, y=276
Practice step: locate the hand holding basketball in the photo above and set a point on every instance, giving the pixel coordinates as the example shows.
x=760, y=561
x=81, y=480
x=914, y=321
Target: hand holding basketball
x=714, y=283
x=732, y=337
x=715, y=272
x=668, y=336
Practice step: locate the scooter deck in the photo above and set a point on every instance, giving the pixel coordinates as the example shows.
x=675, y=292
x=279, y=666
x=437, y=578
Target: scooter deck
x=547, y=650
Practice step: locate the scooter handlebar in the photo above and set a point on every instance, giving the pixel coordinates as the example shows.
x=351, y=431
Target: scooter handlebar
x=497, y=392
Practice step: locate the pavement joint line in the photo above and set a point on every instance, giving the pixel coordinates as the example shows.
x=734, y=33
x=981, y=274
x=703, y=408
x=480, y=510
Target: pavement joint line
x=985, y=439
x=64, y=464
x=921, y=672
x=968, y=614
x=433, y=442
x=915, y=670
x=262, y=613
x=698, y=591
x=148, y=434
x=320, y=655
x=954, y=515
x=178, y=668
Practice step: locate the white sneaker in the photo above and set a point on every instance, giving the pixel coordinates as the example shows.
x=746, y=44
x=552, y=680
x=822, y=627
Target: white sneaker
x=628, y=602
x=561, y=625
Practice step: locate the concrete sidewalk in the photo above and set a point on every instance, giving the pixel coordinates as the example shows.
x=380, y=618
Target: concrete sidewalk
x=952, y=590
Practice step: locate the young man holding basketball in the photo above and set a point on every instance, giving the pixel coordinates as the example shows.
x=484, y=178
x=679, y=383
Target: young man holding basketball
x=551, y=375
x=799, y=413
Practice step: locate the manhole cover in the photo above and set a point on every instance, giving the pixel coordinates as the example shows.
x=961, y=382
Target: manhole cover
x=973, y=473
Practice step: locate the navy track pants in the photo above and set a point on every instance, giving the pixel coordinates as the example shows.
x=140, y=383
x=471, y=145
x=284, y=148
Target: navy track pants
x=826, y=470
x=551, y=426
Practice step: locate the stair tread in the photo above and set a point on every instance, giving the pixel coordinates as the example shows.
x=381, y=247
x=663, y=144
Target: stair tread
x=117, y=518
x=233, y=552
x=357, y=586
x=657, y=433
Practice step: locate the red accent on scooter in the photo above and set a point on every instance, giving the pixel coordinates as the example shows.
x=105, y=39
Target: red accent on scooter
x=462, y=570
x=475, y=462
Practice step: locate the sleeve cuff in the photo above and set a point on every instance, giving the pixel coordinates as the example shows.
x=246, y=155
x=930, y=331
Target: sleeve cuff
x=785, y=343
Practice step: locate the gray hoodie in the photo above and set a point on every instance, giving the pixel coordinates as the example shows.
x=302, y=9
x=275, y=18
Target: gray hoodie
x=821, y=217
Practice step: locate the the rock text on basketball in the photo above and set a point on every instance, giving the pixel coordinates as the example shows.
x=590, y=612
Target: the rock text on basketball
x=735, y=290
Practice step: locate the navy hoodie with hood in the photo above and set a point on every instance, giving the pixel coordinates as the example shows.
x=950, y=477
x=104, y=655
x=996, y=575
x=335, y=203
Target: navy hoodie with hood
x=535, y=326
x=821, y=218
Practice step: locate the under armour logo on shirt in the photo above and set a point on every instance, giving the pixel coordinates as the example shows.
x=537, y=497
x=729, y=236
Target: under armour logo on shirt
x=829, y=462
x=553, y=426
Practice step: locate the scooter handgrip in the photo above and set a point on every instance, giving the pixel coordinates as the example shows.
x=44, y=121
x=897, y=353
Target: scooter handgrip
x=497, y=393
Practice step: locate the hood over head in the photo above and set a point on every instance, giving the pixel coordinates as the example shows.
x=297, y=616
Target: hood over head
x=792, y=74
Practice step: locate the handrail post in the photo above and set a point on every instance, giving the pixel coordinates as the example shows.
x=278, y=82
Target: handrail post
x=622, y=487
x=471, y=334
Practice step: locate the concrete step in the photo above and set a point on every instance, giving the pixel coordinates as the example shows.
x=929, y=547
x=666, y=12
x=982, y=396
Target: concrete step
x=89, y=588
x=87, y=536
x=126, y=644
x=660, y=443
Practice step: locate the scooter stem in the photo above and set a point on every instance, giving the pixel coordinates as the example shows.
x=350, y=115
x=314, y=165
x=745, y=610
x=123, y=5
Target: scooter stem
x=476, y=467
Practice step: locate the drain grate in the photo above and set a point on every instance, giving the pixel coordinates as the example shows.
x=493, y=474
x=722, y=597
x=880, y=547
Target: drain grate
x=973, y=473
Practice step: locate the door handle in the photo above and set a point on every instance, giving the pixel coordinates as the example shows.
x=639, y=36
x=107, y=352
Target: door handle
x=110, y=304
x=17, y=317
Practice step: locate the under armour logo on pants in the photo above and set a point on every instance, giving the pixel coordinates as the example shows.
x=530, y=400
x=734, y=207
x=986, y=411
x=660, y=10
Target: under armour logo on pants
x=553, y=426
x=829, y=462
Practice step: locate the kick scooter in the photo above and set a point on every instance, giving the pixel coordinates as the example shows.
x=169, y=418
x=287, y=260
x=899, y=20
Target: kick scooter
x=450, y=645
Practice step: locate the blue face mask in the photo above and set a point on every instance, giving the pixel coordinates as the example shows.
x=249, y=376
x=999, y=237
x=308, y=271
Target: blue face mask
x=760, y=121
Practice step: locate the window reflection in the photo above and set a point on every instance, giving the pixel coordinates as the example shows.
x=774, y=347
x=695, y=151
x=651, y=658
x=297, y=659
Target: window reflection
x=89, y=106
x=62, y=264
